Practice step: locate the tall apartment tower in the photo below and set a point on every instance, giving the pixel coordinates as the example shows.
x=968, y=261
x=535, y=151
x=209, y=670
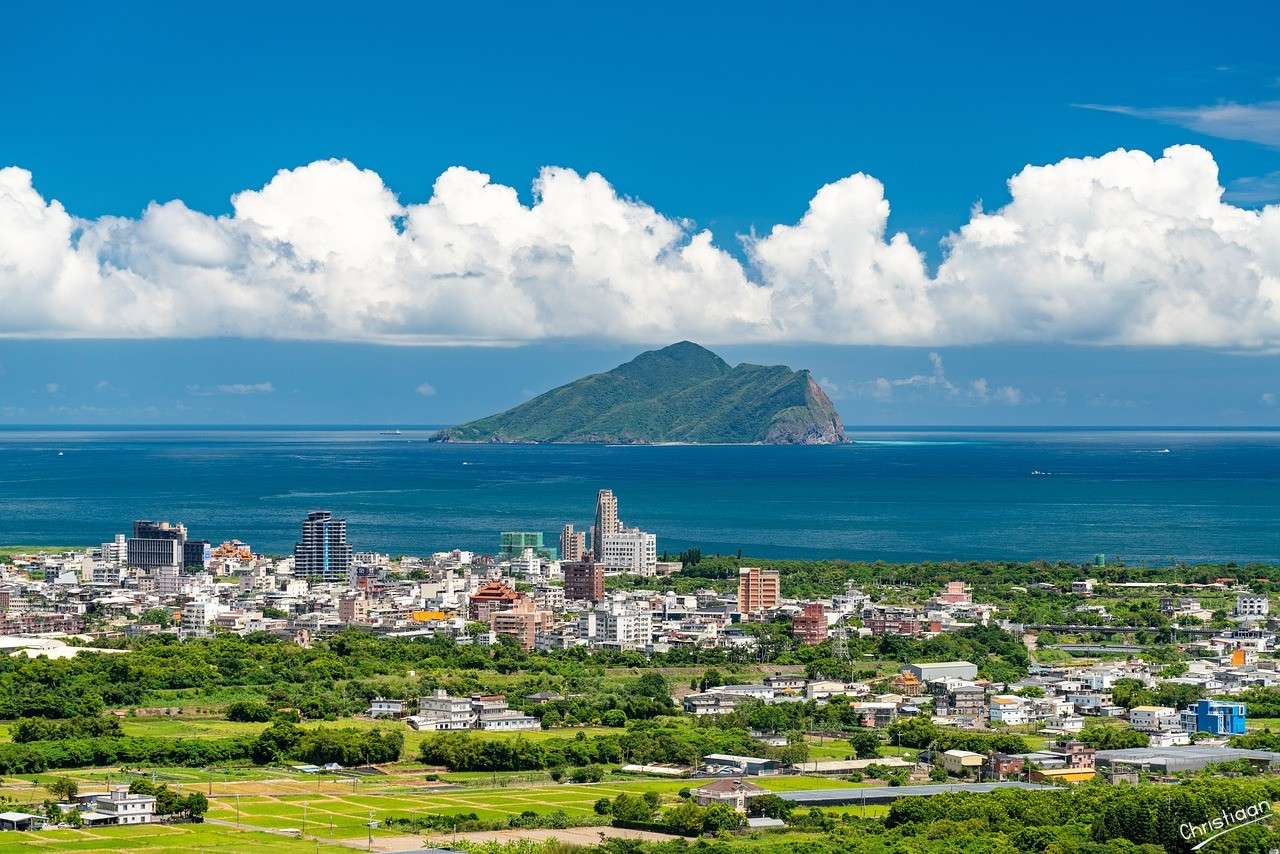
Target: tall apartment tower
x=758, y=590
x=156, y=544
x=324, y=553
x=606, y=520
x=583, y=580
x=572, y=544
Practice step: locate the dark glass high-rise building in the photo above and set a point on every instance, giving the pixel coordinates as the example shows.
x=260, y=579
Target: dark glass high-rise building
x=196, y=554
x=324, y=553
x=156, y=544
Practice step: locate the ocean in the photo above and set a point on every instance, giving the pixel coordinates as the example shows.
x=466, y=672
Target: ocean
x=1144, y=496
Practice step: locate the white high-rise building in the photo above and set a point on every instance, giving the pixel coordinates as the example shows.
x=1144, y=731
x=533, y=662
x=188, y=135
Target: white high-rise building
x=606, y=520
x=116, y=552
x=630, y=550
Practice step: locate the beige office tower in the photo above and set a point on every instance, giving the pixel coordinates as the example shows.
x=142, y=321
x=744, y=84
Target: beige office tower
x=606, y=520
x=757, y=590
x=572, y=544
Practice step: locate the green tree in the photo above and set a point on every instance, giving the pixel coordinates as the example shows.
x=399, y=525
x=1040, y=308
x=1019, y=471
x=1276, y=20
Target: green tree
x=865, y=743
x=63, y=788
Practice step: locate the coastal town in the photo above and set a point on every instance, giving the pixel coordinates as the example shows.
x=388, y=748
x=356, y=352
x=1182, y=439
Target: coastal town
x=882, y=689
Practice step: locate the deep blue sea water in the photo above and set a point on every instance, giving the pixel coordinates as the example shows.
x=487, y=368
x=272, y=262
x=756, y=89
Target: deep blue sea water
x=1144, y=496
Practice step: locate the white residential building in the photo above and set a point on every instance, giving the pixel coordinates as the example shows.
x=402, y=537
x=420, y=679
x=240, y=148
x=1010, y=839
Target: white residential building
x=621, y=625
x=126, y=808
x=528, y=565
x=443, y=712
x=1007, y=710
x=1089, y=702
x=116, y=552
x=630, y=550
x=381, y=707
x=1249, y=605
x=197, y=616
x=1155, y=719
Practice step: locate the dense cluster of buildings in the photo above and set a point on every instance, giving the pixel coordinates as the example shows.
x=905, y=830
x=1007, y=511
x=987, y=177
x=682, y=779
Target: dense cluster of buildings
x=538, y=596
x=158, y=578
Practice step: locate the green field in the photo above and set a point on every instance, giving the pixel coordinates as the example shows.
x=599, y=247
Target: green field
x=162, y=839
x=10, y=551
x=344, y=815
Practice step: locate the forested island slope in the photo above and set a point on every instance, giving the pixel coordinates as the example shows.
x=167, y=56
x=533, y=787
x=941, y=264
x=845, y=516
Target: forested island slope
x=681, y=393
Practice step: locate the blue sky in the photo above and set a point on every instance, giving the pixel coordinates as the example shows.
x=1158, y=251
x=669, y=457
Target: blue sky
x=727, y=117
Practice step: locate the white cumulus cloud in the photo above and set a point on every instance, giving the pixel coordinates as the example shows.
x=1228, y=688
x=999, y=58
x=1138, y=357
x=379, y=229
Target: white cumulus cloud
x=1118, y=249
x=936, y=384
x=426, y=390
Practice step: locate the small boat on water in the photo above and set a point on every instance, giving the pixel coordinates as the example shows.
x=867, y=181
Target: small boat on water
x=390, y=433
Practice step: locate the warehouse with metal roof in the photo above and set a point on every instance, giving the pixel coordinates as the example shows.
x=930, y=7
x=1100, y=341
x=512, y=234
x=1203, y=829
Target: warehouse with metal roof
x=888, y=794
x=1171, y=760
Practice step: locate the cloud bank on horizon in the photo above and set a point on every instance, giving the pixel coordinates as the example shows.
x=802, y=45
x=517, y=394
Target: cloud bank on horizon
x=1121, y=249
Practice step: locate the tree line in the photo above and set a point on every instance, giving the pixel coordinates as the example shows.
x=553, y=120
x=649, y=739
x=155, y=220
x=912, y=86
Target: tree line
x=278, y=743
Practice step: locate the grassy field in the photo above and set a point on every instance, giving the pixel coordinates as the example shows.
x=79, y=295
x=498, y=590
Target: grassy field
x=344, y=815
x=10, y=551
x=162, y=839
x=248, y=801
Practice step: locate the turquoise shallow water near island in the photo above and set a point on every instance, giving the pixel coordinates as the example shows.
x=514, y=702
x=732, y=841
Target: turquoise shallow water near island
x=1144, y=496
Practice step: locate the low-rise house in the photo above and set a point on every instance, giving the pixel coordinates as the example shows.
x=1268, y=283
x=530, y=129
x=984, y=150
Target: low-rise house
x=1090, y=702
x=825, y=689
x=1002, y=765
x=442, y=712
x=381, y=707
x=765, y=693
x=958, y=698
x=124, y=807
x=1008, y=710
x=960, y=762
x=1079, y=754
x=734, y=792
x=1170, y=738
x=707, y=703
x=786, y=684
x=1215, y=717
x=492, y=715
x=1155, y=719
x=875, y=714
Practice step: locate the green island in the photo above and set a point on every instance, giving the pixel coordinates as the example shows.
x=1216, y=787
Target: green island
x=681, y=393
